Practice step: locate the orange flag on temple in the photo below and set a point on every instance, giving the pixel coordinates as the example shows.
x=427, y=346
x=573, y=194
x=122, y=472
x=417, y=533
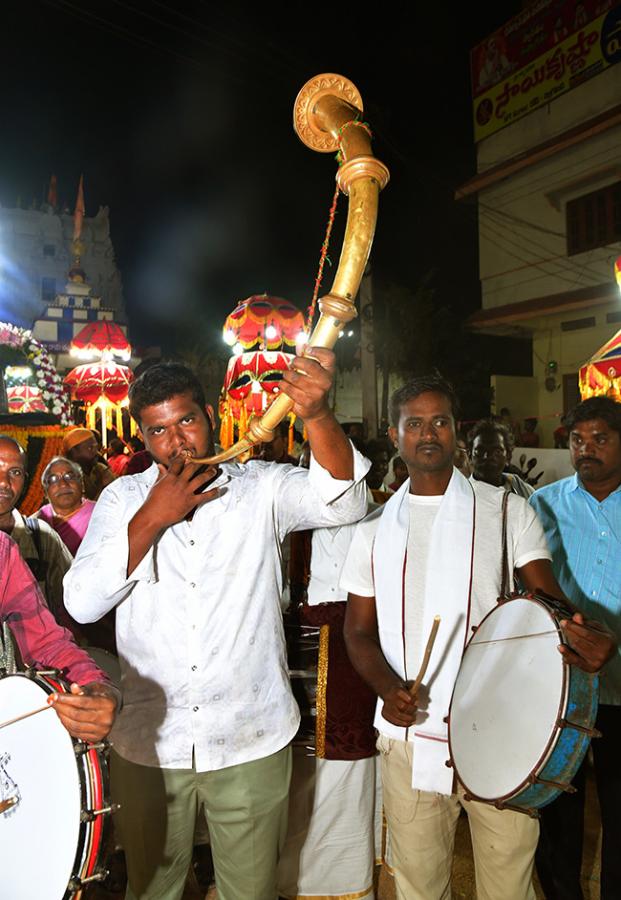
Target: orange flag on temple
x=78, y=215
x=52, y=194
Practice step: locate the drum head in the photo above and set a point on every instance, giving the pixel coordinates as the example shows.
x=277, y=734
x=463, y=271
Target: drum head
x=508, y=694
x=39, y=835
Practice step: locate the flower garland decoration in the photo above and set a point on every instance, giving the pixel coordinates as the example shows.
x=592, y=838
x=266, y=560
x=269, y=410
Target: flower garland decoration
x=48, y=380
x=35, y=496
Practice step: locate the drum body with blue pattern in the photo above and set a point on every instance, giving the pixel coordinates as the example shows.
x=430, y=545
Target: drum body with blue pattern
x=521, y=718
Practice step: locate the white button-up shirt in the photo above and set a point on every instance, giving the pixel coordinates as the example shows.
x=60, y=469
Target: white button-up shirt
x=199, y=627
x=328, y=553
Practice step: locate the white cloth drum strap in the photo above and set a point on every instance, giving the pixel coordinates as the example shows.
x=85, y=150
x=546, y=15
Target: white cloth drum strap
x=447, y=593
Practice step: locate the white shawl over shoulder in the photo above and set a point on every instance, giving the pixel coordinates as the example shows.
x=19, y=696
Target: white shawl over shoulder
x=447, y=594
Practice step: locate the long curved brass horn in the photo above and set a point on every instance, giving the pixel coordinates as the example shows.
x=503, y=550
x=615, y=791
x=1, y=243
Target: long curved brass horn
x=326, y=118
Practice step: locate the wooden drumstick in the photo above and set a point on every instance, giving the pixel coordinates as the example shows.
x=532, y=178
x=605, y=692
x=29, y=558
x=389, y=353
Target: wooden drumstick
x=7, y=804
x=425, y=662
x=32, y=712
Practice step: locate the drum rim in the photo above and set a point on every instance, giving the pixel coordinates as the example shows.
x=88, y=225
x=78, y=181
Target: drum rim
x=89, y=764
x=557, y=730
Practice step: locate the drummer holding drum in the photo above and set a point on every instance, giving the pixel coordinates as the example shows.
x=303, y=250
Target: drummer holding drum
x=443, y=546
x=89, y=709
x=54, y=804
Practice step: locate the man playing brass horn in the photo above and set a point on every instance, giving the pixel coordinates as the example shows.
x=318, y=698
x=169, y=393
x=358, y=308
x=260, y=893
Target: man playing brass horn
x=190, y=558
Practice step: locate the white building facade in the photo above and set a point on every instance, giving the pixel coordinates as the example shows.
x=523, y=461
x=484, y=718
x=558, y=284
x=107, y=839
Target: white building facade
x=35, y=257
x=548, y=192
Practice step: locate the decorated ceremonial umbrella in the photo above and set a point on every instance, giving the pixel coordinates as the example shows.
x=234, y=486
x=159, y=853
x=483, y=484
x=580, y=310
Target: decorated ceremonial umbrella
x=601, y=375
x=101, y=386
x=102, y=338
x=22, y=398
x=251, y=382
x=264, y=323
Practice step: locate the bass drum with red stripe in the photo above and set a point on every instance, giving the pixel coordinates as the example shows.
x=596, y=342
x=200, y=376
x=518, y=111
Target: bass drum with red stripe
x=54, y=798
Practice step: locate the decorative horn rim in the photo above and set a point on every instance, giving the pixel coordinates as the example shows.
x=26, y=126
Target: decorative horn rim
x=326, y=117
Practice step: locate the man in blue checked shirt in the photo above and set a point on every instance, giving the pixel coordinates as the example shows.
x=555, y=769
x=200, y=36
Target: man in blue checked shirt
x=581, y=516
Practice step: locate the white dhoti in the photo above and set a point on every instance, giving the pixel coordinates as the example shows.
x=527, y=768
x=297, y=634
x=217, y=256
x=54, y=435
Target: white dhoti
x=335, y=829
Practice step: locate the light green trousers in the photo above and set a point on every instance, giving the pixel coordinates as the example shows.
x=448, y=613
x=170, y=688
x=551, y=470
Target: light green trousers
x=245, y=807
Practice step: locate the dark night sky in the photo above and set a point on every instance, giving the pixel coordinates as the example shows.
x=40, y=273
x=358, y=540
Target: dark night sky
x=179, y=115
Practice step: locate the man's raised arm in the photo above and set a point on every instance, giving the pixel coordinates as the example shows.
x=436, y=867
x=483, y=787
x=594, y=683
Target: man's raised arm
x=308, y=383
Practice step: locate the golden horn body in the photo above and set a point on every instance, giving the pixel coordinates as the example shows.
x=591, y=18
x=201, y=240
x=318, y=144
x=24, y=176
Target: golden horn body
x=325, y=117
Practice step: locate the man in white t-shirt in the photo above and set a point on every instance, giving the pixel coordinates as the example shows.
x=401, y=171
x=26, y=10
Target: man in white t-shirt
x=436, y=548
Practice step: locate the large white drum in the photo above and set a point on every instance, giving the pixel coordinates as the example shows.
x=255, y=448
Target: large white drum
x=520, y=717
x=46, y=847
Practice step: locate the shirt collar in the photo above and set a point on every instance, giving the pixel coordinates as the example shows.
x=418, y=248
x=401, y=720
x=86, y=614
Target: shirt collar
x=576, y=484
x=22, y=535
x=19, y=524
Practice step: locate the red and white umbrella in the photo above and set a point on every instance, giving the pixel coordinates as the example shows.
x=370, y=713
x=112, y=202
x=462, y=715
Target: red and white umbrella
x=92, y=381
x=261, y=322
x=102, y=337
x=104, y=386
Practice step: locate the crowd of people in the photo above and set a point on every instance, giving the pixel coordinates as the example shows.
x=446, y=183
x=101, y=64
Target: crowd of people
x=178, y=567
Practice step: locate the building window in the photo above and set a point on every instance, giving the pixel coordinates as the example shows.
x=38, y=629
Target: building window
x=594, y=220
x=49, y=250
x=571, y=392
x=613, y=317
x=577, y=324
x=48, y=289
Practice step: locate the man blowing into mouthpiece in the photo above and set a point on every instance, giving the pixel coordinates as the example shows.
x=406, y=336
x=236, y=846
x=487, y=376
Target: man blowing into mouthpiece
x=190, y=558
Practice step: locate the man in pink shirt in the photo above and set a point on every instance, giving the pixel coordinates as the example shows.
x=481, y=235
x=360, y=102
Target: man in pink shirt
x=89, y=710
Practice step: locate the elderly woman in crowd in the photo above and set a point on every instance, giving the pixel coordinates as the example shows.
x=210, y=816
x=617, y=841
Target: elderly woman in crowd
x=68, y=511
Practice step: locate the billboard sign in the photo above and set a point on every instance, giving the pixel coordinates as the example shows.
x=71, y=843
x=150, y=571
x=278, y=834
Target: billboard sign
x=538, y=56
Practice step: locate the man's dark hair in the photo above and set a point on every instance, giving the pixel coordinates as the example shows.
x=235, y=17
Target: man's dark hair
x=490, y=427
x=373, y=448
x=422, y=385
x=161, y=382
x=595, y=408
x=357, y=442
x=116, y=445
x=282, y=429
